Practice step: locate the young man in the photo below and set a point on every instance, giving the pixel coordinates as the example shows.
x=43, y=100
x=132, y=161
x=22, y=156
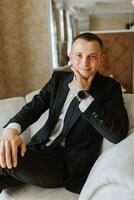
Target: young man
x=84, y=106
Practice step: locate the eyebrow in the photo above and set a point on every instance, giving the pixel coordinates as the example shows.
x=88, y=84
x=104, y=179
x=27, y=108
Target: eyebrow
x=82, y=53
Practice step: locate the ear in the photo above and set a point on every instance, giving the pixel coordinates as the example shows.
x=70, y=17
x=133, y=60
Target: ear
x=70, y=57
x=103, y=57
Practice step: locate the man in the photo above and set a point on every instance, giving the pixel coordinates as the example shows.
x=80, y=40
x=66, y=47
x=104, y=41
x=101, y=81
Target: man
x=84, y=106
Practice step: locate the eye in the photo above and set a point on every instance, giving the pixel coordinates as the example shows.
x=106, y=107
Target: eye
x=79, y=55
x=93, y=56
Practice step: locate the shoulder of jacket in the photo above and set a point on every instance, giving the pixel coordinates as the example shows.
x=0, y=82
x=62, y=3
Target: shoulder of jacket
x=109, y=80
x=60, y=75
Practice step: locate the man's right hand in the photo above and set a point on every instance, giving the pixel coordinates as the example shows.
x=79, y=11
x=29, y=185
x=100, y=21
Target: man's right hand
x=9, y=144
x=79, y=82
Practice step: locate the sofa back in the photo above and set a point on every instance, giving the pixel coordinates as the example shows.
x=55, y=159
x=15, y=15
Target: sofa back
x=129, y=105
x=41, y=121
x=8, y=108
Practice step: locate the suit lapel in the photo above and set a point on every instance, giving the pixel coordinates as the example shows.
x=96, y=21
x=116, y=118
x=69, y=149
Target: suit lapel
x=61, y=97
x=75, y=116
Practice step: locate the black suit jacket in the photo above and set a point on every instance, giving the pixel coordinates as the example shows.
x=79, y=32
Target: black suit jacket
x=105, y=117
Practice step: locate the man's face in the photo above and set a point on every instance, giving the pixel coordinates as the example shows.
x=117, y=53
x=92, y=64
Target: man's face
x=86, y=56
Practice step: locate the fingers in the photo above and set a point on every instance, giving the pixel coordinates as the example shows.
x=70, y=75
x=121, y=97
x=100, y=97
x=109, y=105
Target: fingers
x=20, y=143
x=80, y=81
x=9, y=152
x=5, y=154
x=8, y=157
x=14, y=154
x=91, y=77
x=2, y=153
x=76, y=72
x=23, y=149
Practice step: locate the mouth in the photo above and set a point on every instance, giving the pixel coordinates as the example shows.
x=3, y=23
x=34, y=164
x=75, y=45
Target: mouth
x=85, y=69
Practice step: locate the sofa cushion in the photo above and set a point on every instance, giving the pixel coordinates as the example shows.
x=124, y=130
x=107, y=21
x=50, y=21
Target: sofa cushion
x=129, y=104
x=29, y=192
x=114, y=166
x=8, y=108
x=112, y=192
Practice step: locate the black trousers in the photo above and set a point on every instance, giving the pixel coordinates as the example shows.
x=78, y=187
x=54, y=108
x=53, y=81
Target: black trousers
x=40, y=167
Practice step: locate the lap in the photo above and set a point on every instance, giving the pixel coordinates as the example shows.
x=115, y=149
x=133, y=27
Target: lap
x=44, y=167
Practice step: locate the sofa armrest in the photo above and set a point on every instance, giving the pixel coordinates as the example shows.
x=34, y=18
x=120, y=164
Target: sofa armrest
x=113, y=192
x=131, y=131
x=8, y=108
x=114, y=166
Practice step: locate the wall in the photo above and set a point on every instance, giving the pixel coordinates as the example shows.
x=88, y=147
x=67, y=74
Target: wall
x=110, y=22
x=119, y=50
x=25, y=46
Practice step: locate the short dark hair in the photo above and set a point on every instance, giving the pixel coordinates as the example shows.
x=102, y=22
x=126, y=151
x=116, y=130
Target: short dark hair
x=89, y=37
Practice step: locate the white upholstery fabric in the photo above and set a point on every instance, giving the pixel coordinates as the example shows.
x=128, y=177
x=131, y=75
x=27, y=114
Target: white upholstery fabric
x=129, y=104
x=114, y=166
x=113, y=192
x=29, y=192
x=8, y=108
x=37, y=125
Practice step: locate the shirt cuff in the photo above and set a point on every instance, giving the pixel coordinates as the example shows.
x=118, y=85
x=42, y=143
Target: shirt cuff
x=85, y=103
x=15, y=126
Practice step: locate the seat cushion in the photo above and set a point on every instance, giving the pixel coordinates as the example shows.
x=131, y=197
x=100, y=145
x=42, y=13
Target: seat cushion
x=29, y=192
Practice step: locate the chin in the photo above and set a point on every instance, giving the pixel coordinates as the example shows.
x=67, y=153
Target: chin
x=85, y=76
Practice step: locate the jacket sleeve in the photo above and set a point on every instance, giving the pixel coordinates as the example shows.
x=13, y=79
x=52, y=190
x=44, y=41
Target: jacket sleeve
x=34, y=109
x=108, y=115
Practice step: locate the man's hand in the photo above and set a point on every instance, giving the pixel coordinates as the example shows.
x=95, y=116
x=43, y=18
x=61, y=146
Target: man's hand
x=9, y=143
x=79, y=82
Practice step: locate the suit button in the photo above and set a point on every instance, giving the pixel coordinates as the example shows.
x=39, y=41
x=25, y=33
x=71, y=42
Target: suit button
x=96, y=116
x=101, y=121
x=94, y=113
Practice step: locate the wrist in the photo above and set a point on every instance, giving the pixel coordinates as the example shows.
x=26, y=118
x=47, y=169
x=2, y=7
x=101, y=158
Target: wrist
x=82, y=94
x=8, y=131
x=14, y=126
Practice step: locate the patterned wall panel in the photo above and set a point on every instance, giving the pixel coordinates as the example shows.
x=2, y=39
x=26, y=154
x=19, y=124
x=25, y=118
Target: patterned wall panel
x=119, y=50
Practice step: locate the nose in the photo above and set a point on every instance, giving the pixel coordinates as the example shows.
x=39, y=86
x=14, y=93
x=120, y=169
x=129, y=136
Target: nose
x=85, y=62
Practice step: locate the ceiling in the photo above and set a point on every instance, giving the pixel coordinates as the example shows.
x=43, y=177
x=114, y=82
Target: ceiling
x=90, y=7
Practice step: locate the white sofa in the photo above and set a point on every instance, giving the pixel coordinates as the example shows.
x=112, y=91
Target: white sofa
x=111, y=178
